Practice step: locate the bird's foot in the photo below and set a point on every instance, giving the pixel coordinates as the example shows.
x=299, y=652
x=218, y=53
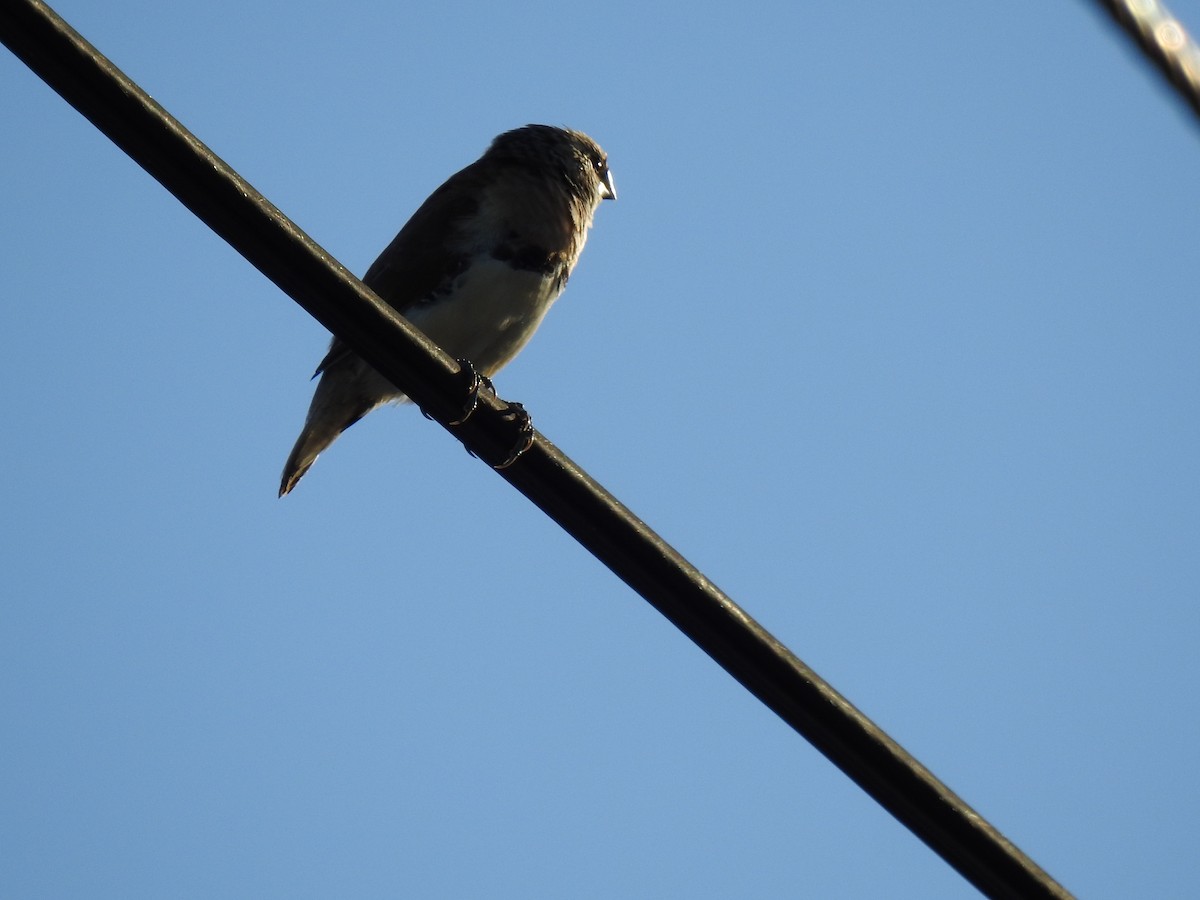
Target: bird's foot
x=523, y=423
x=474, y=382
x=523, y=427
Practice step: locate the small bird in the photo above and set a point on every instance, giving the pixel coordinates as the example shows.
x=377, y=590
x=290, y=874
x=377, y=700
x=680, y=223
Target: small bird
x=475, y=268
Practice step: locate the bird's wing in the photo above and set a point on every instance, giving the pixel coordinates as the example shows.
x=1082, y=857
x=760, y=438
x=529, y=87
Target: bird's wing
x=425, y=257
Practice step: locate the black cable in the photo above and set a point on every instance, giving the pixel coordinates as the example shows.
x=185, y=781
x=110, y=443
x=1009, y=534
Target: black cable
x=1164, y=41
x=287, y=256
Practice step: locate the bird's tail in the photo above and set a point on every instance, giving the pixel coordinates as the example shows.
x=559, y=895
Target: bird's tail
x=336, y=405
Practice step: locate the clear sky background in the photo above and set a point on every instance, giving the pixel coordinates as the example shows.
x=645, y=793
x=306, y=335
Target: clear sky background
x=893, y=332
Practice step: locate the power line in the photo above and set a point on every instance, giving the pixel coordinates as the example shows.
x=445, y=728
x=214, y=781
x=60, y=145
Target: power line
x=1164, y=41
x=282, y=252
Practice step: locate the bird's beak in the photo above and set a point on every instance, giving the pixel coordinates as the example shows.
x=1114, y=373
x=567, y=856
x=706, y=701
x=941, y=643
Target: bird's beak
x=608, y=187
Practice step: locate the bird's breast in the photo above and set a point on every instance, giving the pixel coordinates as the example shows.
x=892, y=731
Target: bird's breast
x=492, y=308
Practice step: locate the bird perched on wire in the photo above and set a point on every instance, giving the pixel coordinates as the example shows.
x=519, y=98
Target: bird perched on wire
x=475, y=268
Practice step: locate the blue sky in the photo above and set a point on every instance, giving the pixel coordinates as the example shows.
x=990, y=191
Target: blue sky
x=892, y=332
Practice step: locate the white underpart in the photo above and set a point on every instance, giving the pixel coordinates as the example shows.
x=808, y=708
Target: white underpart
x=491, y=314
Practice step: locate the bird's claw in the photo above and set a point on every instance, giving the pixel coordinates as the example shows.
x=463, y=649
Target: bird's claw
x=474, y=381
x=517, y=414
